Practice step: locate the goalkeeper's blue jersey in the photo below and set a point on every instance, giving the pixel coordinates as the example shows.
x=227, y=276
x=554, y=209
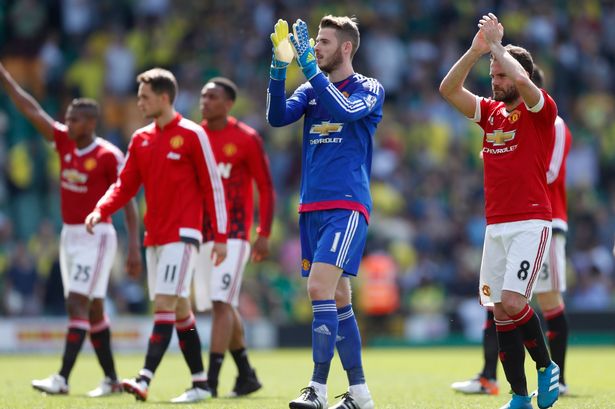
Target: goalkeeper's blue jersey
x=338, y=130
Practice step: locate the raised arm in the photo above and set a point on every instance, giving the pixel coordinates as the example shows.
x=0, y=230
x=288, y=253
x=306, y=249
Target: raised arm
x=451, y=87
x=27, y=105
x=493, y=33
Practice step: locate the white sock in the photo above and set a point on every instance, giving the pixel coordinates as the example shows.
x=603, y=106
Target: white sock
x=321, y=389
x=359, y=390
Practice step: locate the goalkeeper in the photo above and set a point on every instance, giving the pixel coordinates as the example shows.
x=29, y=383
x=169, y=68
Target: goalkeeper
x=341, y=111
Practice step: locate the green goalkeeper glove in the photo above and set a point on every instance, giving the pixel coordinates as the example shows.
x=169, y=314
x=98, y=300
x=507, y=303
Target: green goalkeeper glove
x=282, y=50
x=303, y=46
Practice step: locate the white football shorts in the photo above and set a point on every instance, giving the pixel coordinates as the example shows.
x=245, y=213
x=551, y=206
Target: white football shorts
x=552, y=276
x=86, y=259
x=512, y=258
x=170, y=268
x=223, y=282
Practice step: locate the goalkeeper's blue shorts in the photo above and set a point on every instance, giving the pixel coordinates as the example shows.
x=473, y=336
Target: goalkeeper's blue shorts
x=335, y=236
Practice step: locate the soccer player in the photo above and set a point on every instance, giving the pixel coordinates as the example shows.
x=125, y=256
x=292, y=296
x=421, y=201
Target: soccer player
x=88, y=166
x=174, y=162
x=242, y=161
x=341, y=111
x=518, y=127
x=551, y=282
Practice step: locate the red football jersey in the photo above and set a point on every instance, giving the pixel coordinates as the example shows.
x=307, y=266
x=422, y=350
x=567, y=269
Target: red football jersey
x=85, y=174
x=556, y=174
x=241, y=161
x=516, y=146
x=178, y=171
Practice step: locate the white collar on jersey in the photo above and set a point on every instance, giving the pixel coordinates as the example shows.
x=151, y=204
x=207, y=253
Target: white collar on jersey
x=87, y=149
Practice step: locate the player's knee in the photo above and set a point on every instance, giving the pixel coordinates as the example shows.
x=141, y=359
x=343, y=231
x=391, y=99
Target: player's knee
x=319, y=291
x=77, y=305
x=512, y=302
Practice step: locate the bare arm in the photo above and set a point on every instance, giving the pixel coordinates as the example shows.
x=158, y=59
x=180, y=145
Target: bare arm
x=452, y=88
x=133, y=260
x=493, y=33
x=27, y=105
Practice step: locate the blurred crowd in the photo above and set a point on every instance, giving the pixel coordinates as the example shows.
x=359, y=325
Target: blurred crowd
x=424, y=248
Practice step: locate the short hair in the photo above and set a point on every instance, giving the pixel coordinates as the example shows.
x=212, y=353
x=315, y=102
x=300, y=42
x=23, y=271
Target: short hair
x=229, y=87
x=162, y=82
x=87, y=106
x=347, y=29
x=538, y=77
x=523, y=56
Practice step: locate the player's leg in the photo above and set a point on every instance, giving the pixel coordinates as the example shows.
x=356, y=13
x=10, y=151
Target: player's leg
x=167, y=266
x=80, y=265
x=527, y=242
x=551, y=284
x=247, y=381
x=100, y=332
x=486, y=381
x=348, y=343
x=190, y=344
x=100, y=336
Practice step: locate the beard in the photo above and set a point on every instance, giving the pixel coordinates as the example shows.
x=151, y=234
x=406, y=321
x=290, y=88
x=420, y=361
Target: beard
x=334, y=62
x=507, y=95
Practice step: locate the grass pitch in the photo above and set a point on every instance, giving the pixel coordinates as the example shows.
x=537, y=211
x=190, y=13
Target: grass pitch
x=398, y=378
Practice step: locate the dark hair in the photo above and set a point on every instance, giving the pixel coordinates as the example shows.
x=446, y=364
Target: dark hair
x=347, y=29
x=229, y=87
x=538, y=77
x=523, y=56
x=86, y=106
x=162, y=82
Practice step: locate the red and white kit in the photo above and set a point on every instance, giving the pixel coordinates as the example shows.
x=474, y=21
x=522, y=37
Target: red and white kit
x=242, y=162
x=516, y=149
x=553, y=274
x=177, y=169
x=85, y=175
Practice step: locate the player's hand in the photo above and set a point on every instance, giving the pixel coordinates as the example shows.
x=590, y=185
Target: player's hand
x=218, y=253
x=303, y=47
x=492, y=30
x=260, y=249
x=479, y=44
x=92, y=220
x=133, y=261
x=282, y=51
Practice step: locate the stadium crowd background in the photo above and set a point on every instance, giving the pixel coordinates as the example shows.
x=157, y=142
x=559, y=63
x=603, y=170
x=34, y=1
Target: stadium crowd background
x=424, y=249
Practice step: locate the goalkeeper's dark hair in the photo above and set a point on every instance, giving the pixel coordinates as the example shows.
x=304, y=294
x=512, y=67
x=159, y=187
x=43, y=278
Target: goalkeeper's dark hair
x=347, y=29
x=86, y=106
x=538, y=77
x=162, y=82
x=229, y=87
x=523, y=56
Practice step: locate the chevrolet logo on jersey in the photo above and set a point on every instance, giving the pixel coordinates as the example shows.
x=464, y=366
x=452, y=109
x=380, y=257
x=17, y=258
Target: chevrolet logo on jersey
x=499, y=138
x=326, y=128
x=74, y=176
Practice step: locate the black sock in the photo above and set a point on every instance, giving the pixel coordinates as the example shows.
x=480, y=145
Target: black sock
x=241, y=360
x=213, y=372
x=100, y=336
x=528, y=323
x=159, y=340
x=190, y=345
x=557, y=334
x=77, y=330
x=512, y=356
x=490, y=348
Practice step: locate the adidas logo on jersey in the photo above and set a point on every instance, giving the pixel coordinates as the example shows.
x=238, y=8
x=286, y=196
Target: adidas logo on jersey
x=312, y=102
x=322, y=330
x=339, y=338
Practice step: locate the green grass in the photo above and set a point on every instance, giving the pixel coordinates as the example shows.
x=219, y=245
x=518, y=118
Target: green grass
x=398, y=378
